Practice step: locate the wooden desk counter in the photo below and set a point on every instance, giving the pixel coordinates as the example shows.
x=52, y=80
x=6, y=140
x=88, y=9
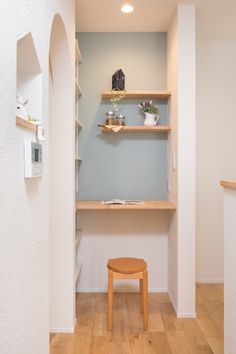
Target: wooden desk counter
x=148, y=205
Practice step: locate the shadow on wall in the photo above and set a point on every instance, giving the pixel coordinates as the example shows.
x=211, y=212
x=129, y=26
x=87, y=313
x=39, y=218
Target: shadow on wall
x=124, y=223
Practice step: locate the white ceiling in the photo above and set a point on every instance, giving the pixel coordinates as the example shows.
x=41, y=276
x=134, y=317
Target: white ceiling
x=215, y=18
x=105, y=15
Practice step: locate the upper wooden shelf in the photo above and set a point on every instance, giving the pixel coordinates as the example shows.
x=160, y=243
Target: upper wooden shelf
x=137, y=94
x=137, y=128
x=26, y=124
x=148, y=205
x=78, y=56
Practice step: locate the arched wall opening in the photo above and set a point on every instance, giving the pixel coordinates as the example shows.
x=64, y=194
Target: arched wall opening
x=61, y=180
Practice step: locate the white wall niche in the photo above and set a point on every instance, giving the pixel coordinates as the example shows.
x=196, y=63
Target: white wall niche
x=29, y=76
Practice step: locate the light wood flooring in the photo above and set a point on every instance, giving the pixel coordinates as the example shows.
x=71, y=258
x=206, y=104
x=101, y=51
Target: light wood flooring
x=166, y=334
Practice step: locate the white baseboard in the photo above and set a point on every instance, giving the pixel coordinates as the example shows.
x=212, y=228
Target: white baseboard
x=62, y=330
x=181, y=314
x=210, y=281
x=123, y=290
x=186, y=315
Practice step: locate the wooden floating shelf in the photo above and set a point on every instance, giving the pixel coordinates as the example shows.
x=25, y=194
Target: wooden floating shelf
x=137, y=94
x=78, y=56
x=228, y=184
x=78, y=123
x=77, y=158
x=78, y=90
x=26, y=124
x=148, y=205
x=78, y=238
x=137, y=128
x=78, y=271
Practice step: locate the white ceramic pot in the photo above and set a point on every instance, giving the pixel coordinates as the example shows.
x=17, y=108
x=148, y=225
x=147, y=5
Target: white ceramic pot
x=151, y=119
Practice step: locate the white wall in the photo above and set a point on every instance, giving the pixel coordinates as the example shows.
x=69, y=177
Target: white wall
x=24, y=222
x=123, y=234
x=62, y=191
x=186, y=159
x=172, y=82
x=181, y=79
x=216, y=126
x=229, y=270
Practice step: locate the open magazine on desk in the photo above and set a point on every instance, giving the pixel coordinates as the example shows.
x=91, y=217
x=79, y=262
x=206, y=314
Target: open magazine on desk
x=123, y=201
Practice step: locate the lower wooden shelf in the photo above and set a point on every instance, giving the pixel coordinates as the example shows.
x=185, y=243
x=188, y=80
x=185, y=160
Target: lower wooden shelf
x=135, y=128
x=147, y=205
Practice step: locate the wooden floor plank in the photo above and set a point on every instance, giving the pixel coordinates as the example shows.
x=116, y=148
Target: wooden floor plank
x=166, y=334
x=61, y=343
x=178, y=343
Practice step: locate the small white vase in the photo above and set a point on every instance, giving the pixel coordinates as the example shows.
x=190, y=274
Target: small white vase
x=151, y=119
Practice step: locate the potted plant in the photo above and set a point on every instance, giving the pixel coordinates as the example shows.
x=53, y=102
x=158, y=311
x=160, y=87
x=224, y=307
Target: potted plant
x=151, y=112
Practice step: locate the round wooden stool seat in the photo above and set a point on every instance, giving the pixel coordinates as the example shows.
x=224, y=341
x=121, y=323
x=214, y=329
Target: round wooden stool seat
x=127, y=265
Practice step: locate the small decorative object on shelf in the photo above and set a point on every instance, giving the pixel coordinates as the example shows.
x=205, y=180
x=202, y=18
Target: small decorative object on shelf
x=120, y=120
x=110, y=118
x=25, y=120
x=122, y=202
x=118, y=81
x=150, y=111
x=20, y=107
x=33, y=120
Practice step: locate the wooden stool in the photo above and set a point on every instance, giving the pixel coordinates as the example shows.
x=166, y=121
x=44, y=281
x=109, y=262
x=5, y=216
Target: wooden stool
x=128, y=268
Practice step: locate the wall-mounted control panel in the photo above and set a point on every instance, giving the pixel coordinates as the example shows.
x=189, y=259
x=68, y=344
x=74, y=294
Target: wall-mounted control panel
x=33, y=159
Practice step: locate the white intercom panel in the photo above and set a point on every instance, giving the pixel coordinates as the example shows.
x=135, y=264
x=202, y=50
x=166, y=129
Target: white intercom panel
x=33, y=159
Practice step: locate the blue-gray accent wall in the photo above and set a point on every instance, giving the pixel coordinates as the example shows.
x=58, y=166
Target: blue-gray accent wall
x=123, y=165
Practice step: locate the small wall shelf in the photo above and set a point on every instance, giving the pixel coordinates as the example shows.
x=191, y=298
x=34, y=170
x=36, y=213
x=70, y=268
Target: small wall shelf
x=26, y=124
x=228, y=184
x=137, y=128
x=78, y=56
x=137, y=94
x=148, y=205
x=78, y=90
x=78, y=270
x=78, y=238
x=77, y=158
x=78, y=123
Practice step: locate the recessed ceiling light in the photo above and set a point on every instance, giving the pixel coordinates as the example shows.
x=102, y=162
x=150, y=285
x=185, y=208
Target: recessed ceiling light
x=127, y=8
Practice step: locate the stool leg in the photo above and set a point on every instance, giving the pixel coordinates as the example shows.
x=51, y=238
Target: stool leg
x=145, y=300
x=141, y=294
x=110, y=299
